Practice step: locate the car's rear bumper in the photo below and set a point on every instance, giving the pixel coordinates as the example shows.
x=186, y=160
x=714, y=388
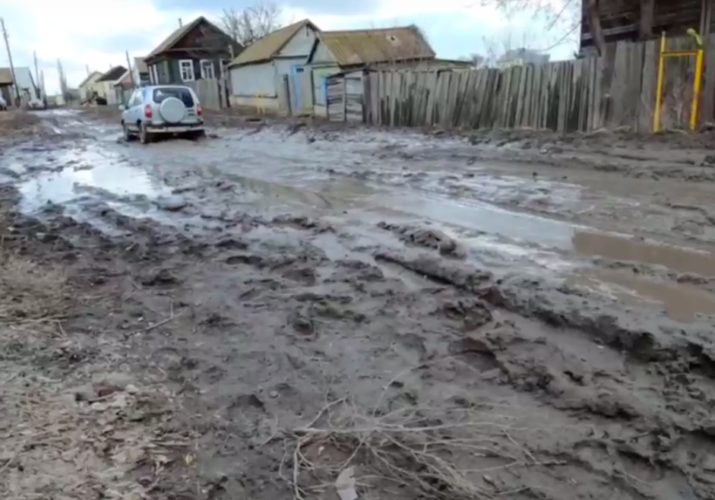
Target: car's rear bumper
x=175, y=129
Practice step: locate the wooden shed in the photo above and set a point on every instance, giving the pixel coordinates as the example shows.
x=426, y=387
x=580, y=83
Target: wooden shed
x=345, y=95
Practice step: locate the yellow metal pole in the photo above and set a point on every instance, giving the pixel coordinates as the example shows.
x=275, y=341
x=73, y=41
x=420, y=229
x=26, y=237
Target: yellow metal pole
x=696, y=91
x=659, y=86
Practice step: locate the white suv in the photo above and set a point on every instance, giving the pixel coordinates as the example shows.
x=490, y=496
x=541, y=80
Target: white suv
x=162, y=109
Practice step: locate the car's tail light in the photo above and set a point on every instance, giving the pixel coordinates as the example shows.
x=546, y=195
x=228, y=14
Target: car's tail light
x=147, y=111
x=199, y=109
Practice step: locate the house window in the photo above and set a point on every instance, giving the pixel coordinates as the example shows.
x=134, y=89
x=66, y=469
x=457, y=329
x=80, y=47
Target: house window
x=154, y=74
x=186, y=67
x=207, y=69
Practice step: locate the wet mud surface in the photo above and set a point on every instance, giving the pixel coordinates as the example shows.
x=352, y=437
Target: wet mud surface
x=452, y=317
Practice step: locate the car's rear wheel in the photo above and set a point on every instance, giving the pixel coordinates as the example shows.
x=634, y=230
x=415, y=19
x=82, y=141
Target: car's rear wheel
x=127, y=134
x=145, y=136
x=198, y=134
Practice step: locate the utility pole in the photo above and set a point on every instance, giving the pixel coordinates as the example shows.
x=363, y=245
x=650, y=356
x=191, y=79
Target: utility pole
x=9, y=57
x=131, y=71
x=87, y=66
x=37, y=76
x=180, y=23
x=42, y=87
x=61, y=77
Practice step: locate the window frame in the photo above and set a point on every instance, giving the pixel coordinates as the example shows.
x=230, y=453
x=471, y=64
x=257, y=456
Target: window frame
x=210, y=64
x=182, y=67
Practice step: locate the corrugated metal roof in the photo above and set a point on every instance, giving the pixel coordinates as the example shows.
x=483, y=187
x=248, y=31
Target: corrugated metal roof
x=264, y=49
x=377, y=45
x=113, y=74
x=175, y=36
x=140, y=65
x=5, y=76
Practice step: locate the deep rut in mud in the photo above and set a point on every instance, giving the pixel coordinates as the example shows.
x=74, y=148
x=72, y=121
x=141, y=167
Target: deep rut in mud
x=424, y=355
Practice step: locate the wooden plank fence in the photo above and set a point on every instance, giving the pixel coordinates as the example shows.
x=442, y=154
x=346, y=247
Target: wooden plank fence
x=615, y=90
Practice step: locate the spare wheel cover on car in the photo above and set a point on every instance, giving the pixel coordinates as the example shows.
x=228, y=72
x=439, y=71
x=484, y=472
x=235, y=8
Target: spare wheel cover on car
x=172, y=110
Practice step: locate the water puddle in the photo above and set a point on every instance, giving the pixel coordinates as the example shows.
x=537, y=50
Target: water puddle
x=681, y=302
x=480, y=217
x=615, y=247
x=84, y=175
x=274, y=190
x=70, y=185
x=484, y=218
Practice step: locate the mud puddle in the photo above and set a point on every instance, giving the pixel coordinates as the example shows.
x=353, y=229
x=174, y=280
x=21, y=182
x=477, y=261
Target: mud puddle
x=679, y=301
x=623, y=248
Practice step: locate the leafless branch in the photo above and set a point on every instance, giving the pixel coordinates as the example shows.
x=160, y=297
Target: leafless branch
x=558, y=17
x=249, y=24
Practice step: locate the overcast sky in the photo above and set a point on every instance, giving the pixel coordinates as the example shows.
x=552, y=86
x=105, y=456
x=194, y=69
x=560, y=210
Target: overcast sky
x=96, y=33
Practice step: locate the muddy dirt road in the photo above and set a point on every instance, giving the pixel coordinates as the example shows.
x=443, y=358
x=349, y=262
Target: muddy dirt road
x=528, y=317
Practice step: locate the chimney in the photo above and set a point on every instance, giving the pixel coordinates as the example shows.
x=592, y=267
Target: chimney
x=180, y=23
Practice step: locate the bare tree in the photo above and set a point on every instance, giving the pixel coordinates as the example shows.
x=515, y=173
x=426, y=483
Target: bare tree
x=249, y=24
x=565, y=18
x=562, y=18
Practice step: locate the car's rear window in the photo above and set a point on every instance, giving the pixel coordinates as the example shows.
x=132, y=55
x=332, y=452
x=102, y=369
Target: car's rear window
x=183, y=94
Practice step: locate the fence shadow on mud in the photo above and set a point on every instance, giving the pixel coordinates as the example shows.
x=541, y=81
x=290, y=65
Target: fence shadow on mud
x=615, y=90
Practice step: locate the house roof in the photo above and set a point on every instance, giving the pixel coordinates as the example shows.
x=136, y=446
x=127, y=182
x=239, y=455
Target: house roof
x=5, y=76
x=125, y=81
x=114, y=74
x=351, y=47
x=175, y=36
x=178, y=34
x=140, y=65
x=23, y=77
x=93, y=76
x=264, y=49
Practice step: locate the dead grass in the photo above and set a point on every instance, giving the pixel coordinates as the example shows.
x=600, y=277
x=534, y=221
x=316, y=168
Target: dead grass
x=17, y=126
x=30, y=292
x=53, y=444
x=52, y=447
x=17, y=120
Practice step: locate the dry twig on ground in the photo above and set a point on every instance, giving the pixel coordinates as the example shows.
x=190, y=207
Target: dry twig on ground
x=441, y=453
